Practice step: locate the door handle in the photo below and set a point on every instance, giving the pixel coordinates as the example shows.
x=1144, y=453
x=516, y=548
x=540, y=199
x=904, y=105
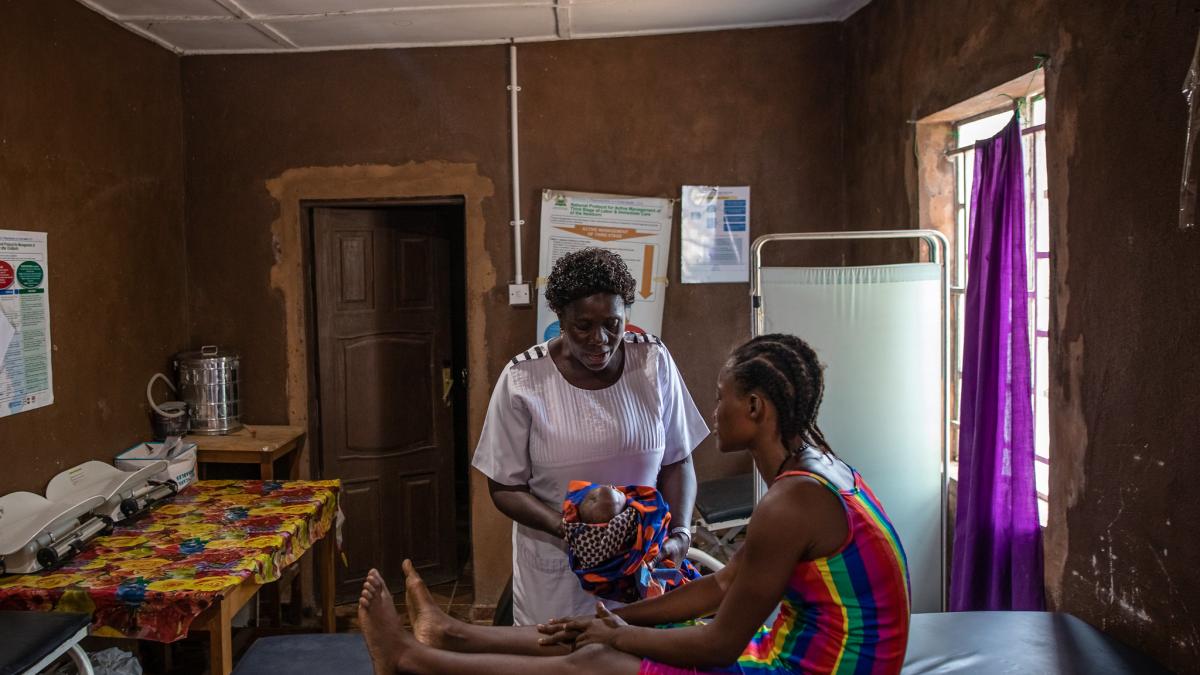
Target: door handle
x=447, y=386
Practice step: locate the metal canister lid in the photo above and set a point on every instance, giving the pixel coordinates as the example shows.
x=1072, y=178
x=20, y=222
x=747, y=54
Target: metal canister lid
x=207, y=354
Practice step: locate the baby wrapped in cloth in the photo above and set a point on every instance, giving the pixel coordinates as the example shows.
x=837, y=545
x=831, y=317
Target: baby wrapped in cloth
x=613, y=537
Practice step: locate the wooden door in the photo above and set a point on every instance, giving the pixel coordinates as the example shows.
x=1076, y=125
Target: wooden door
x=383, y=312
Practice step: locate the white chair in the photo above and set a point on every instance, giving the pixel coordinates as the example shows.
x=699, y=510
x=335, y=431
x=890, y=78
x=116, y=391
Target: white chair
x=704, y=562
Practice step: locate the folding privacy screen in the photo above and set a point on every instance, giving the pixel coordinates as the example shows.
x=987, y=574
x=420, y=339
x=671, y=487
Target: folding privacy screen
x=882, y=333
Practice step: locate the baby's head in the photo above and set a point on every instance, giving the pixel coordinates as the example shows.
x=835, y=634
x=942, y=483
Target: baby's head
x=601, y=505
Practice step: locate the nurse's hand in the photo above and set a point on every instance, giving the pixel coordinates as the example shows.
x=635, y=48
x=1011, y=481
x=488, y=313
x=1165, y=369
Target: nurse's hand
x=675, y=549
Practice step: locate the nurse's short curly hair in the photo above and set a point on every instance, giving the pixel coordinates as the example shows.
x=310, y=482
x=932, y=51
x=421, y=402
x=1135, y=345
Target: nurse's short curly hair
x=585, y=272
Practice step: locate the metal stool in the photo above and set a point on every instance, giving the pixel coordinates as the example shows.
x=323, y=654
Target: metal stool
x=34, y=640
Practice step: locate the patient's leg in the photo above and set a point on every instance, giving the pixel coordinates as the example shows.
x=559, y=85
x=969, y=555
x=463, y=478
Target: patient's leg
x=435, y=628
x=394, y=650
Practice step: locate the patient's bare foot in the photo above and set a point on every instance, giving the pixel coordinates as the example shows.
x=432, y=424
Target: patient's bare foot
x=429, y=623
x=386, y=638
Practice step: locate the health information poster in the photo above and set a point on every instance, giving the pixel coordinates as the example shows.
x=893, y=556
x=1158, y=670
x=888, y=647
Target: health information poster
x=636, y=228
x=715, y=233
x=26, y=380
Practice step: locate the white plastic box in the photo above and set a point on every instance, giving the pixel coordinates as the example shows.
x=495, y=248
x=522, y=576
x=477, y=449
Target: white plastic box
x=181, y=469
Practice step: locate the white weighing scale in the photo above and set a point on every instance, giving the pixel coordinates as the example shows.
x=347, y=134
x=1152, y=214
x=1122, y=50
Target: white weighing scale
x=39, y=533
x=126, y=493
x=36, y=533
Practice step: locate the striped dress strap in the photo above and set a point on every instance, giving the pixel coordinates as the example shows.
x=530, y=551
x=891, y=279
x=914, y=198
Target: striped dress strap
x=847, y=509
x=815, y=476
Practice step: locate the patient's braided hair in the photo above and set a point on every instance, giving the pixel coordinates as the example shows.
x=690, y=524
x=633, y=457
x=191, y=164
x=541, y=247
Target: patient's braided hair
x=787, y=371
x=585, y=272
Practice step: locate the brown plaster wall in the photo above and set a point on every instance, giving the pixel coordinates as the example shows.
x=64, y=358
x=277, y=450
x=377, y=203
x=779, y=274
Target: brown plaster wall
x=91, y=153
x=645, y=116
x=639, y=116
x=264, y=132
x=1121, y=546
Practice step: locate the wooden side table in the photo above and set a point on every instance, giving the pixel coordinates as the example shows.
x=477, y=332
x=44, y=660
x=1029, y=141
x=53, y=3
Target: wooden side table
x=259, y=444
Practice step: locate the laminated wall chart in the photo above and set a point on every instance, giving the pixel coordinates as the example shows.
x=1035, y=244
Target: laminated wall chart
x=26, y=380
x=715, y=226
x=636, y=228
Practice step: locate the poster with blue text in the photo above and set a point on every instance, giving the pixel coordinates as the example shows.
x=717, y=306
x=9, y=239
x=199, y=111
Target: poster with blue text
x=714, y=234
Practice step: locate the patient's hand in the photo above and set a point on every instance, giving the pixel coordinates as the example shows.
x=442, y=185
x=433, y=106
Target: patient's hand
x=558, y=631
x=578, y=631
x=601, y=630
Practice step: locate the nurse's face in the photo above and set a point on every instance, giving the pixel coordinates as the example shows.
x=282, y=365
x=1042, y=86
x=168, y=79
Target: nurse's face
x=592, y=329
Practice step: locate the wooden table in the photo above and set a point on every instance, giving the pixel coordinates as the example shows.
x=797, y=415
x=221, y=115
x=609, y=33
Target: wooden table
x=192, y=563
x=217, y=620
x=259, y=444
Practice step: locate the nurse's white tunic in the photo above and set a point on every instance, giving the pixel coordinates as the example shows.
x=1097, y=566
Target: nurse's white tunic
x=543, y=432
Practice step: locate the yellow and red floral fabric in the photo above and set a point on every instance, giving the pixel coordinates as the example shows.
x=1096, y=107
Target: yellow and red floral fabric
x=156, y=573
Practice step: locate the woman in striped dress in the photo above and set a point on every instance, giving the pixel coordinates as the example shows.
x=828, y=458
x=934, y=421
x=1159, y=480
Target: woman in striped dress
x=820, y=585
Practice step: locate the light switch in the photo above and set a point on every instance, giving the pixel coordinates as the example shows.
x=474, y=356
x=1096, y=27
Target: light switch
x=519, y=295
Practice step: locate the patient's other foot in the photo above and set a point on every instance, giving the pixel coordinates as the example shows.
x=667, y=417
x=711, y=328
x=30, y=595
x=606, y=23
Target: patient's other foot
x=430, y=624
x=386, y=638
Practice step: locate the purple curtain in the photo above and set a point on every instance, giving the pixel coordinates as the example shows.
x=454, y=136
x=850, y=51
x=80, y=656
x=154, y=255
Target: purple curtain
x=997, y=541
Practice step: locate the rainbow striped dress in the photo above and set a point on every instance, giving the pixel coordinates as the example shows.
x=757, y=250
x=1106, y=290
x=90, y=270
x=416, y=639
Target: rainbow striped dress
x=847, y=613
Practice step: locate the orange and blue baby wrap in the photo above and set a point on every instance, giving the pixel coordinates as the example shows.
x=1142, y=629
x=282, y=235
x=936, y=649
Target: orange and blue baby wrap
x=632, y=574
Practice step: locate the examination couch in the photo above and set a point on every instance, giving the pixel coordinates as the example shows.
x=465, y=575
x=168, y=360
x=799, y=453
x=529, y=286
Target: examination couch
x=980, y=643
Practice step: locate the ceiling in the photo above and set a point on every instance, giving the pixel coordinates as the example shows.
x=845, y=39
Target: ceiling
x=231, y=26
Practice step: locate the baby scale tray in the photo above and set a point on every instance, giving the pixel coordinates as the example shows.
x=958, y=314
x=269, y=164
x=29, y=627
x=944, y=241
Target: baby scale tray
x=39, y=532
x=36, y=533
x=126, y=493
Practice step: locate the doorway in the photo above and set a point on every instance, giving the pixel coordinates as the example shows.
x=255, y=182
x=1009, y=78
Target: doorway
x=388, y=317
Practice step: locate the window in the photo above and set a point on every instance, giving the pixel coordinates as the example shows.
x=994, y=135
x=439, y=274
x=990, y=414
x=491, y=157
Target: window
x=1037, y=226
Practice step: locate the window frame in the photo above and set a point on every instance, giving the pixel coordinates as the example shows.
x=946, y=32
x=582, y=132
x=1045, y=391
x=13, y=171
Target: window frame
x=1031, y=106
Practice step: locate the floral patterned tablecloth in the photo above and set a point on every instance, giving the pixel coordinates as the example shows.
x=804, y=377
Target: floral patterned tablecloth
x=155, y=574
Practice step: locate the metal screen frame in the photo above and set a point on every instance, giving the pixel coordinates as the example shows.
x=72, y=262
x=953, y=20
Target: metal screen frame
x=939, y=248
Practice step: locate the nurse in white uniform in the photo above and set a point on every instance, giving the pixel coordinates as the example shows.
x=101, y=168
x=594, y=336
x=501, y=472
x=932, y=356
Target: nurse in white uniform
x=595, y=404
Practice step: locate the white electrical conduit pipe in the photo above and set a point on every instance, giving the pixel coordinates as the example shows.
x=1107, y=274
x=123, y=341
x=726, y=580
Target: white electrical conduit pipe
x=516, y=222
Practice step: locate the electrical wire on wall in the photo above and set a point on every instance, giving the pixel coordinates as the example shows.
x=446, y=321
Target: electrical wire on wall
x=1187, y=183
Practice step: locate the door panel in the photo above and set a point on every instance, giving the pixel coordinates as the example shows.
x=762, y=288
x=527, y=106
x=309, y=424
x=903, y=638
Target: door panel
x=416, y=285
x=361, y=503
x=383, y=315
x=376, y=365
x=356, y=280
x=418, y=492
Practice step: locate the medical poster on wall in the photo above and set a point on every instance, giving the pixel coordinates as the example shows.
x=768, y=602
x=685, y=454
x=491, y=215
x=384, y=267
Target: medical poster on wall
x=26, y=380
x=715, y=234
x=636, y=228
